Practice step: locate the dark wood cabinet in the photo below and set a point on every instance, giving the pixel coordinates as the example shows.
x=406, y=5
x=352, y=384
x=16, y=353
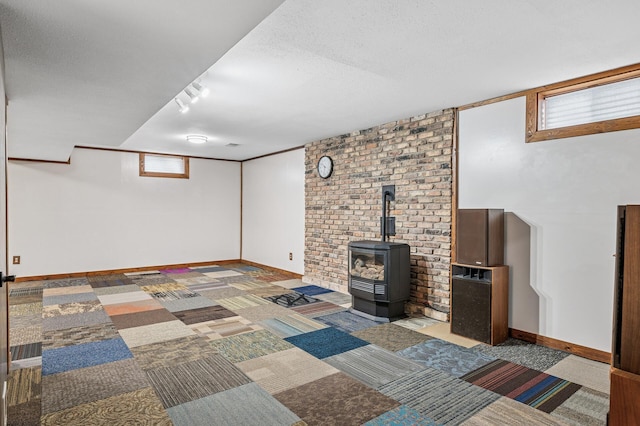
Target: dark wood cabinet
x=480, y=237
x=625, y=372
x=480, y=302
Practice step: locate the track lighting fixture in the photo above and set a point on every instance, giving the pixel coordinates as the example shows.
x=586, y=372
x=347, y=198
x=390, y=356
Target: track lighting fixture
x=193, y=97
x=181, y=106
x=202, y=90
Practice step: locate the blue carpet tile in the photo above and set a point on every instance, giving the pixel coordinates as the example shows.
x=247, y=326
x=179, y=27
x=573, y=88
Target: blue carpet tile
x=346, y=321
x=326, y=342
x=312, y=290
x=444, y=356
x=85, y=355
x=401, y=416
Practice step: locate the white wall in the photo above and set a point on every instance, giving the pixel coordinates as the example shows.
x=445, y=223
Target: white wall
x=98, y=214
x=566, y=192
x=273, y=210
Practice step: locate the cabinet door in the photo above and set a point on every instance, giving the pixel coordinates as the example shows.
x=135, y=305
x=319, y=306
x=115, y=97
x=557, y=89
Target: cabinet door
x=471, y=309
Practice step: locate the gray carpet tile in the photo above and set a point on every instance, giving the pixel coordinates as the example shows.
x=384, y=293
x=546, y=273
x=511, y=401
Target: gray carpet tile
x=66, y=282
x=221, y=293
x=64, y=390
x=186, y=304
x=452, y=359
x=103, y=291
x=585, y=407
x=532, y=356
x=244, y=405
x=23, y=321
x=346, y=321
x=373, y=365
x=69, y=298
x=52, y=339
x=193, y=380
x=439, y=396
x=75, y=320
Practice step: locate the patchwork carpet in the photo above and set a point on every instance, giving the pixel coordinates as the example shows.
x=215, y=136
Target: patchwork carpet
x=220, y=345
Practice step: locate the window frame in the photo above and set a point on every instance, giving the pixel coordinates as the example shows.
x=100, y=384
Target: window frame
x=144, y=173
x=536, y=96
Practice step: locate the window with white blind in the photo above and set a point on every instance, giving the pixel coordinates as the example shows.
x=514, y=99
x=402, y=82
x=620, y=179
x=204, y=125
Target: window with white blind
x=602, y=103
x=157, y=165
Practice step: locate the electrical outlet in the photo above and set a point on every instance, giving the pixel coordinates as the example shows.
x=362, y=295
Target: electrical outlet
x=290, y=256
x=16, y=260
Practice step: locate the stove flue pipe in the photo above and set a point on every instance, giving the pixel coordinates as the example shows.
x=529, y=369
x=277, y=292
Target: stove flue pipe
x=385, y=195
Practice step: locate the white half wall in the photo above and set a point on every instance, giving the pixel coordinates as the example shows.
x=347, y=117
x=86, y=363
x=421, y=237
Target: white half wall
x=98, y=214
x=273, y=210
x=560, y=197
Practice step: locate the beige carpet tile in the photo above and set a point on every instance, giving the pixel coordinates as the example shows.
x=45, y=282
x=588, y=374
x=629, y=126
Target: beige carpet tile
x=24, y=385
x=185, y=275
x=172, y=352
x=263, y=312
x=64, y=390
x=221, y=293
x=316, y=404
x=225, y=327
x=105, y=277
x=131, y=307
x=137, y=319
x=196, y=280
x=63, y=291
x=140, y=407
x=250, y=345
x=242, y=302
x=585, y=407
x=442, y=331
x=285, y=370
x=154, y=333
x=25, y=309
x=223, y=274
x=104, y=291
x=25, y=298
x=71, y=309
x=132, y=296
x=53, y=339
x=185, y=304
x=417, y=323
x=391, y=337
x=271, y=290
x=193, y=380
x=291, y=325
x=290, y=283
x=507, y=411
x=250, y=285
x=23, y=321
x=25, y=335
x=592, y=374
x=160, y=288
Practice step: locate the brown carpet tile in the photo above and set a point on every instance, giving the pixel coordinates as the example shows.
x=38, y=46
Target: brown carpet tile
x=210, y=313
x=27, y=298
x=64, y=390
x=195, y=379
x=137, y=319
x=77, y=335
x=140, y=407
x=24, y=385
x=317, y=309
x=391, y=337
x=272, y=290
x=316, y=404
x=172, y=352
x=27, y=414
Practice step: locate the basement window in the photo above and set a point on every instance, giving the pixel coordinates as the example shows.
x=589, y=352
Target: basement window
x=168, y=166
x=606, y=102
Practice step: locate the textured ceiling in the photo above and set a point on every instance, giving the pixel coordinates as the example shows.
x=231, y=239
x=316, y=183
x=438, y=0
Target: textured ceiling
x=105, y=73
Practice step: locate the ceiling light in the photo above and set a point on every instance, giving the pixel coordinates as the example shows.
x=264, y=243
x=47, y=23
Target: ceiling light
x=181, y=106
x=192, y=95
x=203, y=90
x=197, y=138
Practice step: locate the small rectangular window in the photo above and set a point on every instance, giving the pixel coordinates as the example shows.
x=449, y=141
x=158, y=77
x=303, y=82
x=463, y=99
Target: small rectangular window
x=602, y=103
x=157, y=165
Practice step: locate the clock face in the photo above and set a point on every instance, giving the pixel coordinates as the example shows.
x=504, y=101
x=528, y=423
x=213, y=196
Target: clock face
x=325, y=167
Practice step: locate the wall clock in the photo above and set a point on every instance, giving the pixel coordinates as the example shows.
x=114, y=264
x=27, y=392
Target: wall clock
x=325, y=166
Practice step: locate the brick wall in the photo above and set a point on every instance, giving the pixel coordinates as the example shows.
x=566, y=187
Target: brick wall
x=413, y=154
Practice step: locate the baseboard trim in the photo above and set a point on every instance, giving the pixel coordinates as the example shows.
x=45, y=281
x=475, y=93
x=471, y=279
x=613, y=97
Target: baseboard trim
x=125, y=270
x=293, y=275
x=583, y=351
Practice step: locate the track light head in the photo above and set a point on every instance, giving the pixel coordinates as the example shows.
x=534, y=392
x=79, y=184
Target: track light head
x=202, y=90
x=181, y=106
x=193, y=97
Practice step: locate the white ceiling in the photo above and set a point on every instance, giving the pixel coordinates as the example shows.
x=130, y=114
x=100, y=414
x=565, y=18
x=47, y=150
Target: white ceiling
x=104, y=74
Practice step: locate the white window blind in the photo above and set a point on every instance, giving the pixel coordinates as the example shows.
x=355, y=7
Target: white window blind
x=606, y=102
x=164, y=164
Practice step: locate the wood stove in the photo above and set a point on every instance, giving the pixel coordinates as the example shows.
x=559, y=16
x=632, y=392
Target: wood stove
x=379, y=278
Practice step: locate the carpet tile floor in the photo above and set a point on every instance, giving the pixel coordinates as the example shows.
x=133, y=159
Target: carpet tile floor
x=216, y=345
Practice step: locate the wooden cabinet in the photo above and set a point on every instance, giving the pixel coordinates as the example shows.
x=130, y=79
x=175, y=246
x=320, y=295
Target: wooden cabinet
x=480, y=237
x=480, y=302
x=625, y=374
